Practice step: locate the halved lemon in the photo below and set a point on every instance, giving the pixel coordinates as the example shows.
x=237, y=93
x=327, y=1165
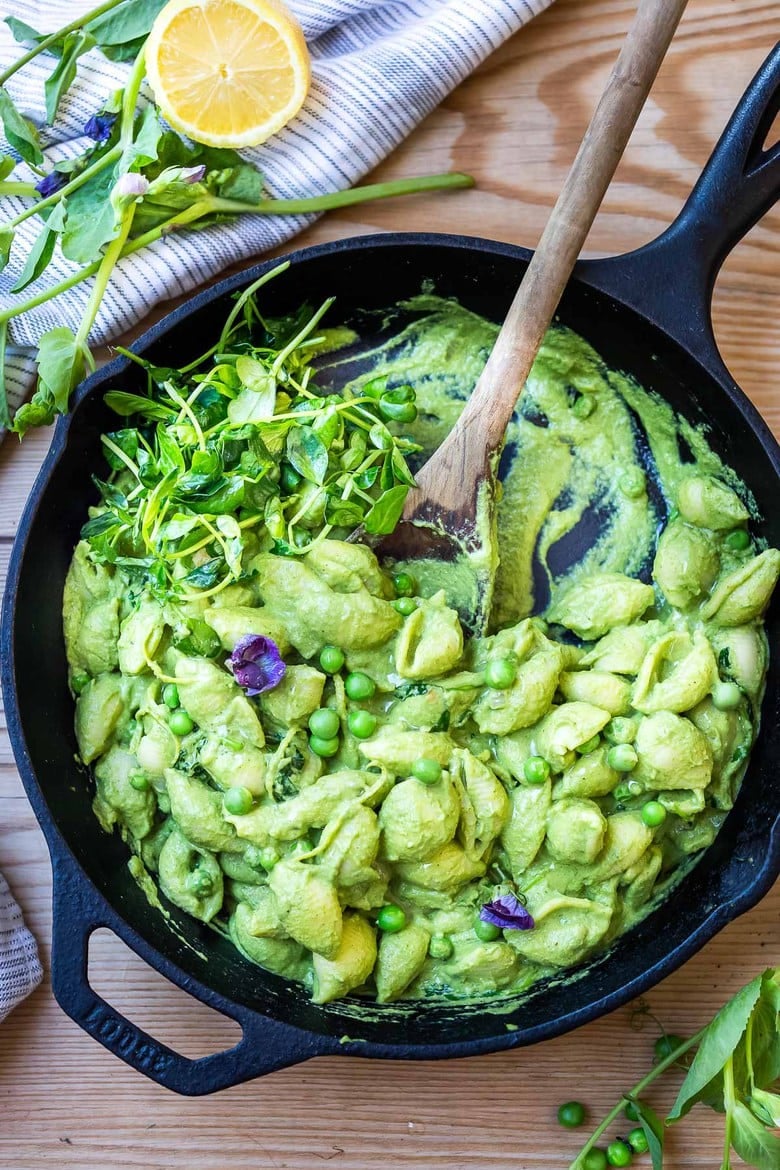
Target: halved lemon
x=227, y=72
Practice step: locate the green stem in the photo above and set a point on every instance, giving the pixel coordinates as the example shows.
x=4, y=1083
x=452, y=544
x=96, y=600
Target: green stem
x=130, y=100
x=729, y=1100
x=98, y=165
x=347, y=198
x=637, y=1091
x=13, y=188
x=52, y=38
x=106, y=268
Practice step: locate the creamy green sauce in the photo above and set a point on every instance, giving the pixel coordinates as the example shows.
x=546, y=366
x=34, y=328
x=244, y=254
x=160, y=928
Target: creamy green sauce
x=637, y=683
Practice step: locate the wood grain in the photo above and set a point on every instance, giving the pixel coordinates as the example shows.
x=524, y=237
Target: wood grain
x=64, y=1101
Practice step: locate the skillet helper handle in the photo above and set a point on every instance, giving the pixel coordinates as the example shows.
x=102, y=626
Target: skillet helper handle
x=670, y=280
x=266, y=1045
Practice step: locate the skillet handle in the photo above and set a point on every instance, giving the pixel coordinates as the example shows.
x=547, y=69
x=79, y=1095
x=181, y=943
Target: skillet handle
x=266, y=1044
x=670, y=280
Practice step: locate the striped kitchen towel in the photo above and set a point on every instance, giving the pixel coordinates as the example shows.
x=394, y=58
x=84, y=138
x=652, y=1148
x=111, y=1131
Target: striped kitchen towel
x=378, y=69
x=20, y=968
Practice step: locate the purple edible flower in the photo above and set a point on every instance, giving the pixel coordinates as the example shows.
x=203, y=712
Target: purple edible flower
x=256, y=664
x=99, y=127
x=506, y=912
x=51, y=183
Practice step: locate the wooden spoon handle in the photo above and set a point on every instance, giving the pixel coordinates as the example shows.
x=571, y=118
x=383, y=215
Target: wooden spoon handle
x=491, y=405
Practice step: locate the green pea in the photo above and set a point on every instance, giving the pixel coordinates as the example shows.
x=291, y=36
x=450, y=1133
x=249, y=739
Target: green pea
x=401, y=412
x=621, y=792
x=632, y=483
x=665, y=1045
x=323, y=747
x=726, y=696
x=486, y=931
x=200, y=883
x=180, y=722
x=631, y=1111
x=440, y=947
x=170, y=696
x=536, y=770
x=571, y=1114
x=583, y=406
x=621, y=729
x=139, y=781
x=595, y=1159
x=500, y=673
x=238, y=801
x=405, y=606
x=619, y=1153
x=622, y=757
x=324, y=723
x=261, y=858
x=637, y=1139
x=391, y=919
x=404, y=585
x=78, y=682
x=289, y=478
x=653, y=814
x=359, y=686
x=427, y=771
x=738, y=540
x=589, y=746
x=362, y=724
x=331, y=659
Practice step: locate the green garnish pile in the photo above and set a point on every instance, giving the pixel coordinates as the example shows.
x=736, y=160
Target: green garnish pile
x=239, y=448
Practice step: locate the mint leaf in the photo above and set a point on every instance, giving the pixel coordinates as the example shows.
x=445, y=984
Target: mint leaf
x=307, y=454
x=60, y=81
x=20, y=132
x=386, y=512
x=717, y=1045
x=60, y=365
x=43, y=249
x=752, y=1141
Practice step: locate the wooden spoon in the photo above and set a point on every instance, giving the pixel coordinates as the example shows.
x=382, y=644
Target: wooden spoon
x=449, y=518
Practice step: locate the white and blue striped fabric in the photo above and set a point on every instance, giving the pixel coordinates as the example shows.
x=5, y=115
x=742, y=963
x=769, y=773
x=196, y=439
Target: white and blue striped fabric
x=20, y=967
x=378, y=70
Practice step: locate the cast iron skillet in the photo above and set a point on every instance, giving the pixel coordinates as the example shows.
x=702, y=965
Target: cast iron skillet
x=647, y=313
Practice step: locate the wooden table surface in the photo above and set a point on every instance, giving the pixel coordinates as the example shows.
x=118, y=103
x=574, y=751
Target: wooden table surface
x=66, y=1102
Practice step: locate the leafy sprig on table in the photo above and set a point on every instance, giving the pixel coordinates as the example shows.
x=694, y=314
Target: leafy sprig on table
x=735, y=1070
x=239, y=452
x=135, y=183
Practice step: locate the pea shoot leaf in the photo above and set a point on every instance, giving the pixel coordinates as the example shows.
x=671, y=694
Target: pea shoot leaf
x=307, y=454
x=21, y=134
x=717, y=1045
x=207, y=575
x=22, y=32
x=43, y=249
x=125, y=24
x=74, y=46
x=6, y=166
x=386, y=512
x=766, y=1107
x=121, y=402
x=91, y=220
x=257, y=399
x=752, y=1140
x=60, y=365
x=653, y=1129
x=6, y=243
x=5, y=413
